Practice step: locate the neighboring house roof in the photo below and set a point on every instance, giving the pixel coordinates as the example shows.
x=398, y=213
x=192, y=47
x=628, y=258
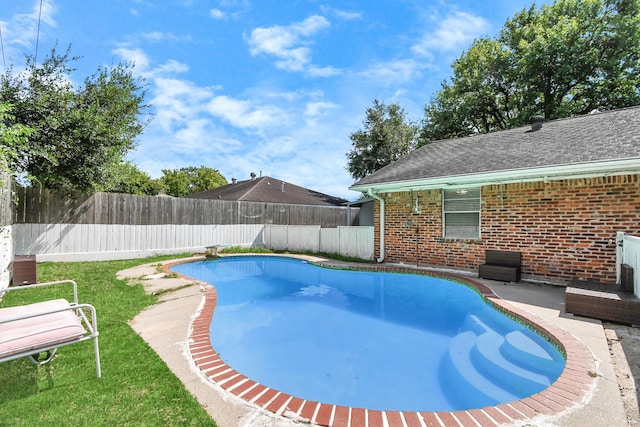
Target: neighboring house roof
x=362, y=201
x=595, y=144
x=270, y=190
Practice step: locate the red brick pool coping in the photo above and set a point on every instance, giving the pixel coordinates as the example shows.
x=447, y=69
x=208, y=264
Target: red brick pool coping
x=568, y=391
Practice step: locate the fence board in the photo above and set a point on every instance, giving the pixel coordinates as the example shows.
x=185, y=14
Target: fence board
x=330, y=240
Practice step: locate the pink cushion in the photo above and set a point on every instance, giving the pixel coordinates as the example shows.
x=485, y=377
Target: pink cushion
x=43, y=331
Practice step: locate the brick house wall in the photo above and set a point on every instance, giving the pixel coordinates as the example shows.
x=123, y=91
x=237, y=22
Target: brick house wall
x=565, y=229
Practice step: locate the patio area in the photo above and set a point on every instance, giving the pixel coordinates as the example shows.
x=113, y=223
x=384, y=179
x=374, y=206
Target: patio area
x=612, y=400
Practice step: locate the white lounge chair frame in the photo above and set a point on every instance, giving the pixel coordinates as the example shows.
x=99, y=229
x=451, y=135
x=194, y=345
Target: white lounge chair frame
x=84, y=321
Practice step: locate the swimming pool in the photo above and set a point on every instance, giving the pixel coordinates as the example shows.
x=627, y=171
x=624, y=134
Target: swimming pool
x=375, y=340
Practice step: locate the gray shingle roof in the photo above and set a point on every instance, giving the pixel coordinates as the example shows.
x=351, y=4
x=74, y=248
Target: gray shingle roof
x=598, y=137
x=270, y=190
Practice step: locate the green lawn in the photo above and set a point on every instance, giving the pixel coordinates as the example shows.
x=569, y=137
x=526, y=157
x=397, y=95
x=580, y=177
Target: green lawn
x=136, y=388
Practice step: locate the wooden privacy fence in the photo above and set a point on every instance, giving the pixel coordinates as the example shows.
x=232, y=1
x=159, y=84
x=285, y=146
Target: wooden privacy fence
x=40, y=206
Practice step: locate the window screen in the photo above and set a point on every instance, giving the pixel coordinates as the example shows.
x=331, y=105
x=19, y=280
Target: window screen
x=461, y=213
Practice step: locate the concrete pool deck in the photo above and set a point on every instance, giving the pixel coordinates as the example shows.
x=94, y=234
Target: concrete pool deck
x=168, y=326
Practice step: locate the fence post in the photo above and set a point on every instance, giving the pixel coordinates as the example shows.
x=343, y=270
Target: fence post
x=619, y=253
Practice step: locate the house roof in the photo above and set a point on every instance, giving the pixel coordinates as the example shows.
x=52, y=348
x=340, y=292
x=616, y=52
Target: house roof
x=270, y=190
x=594, y=144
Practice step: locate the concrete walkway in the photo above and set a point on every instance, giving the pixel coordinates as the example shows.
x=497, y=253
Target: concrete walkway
x=166, y=328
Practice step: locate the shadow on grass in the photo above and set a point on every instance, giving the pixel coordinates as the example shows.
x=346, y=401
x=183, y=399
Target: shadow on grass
x=20, y=378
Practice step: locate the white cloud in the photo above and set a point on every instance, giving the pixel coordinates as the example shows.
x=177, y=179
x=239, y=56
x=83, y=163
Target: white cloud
x=243, y=114
x=342, y=14
x=201, y=136
x=217, y=14
x=323, y=71
x=177, y=102
x=153, y=37
x=453, y=33
x=137, y=56
x=142, y=63
x=230, y=9
x=393, y=72
x=171, y=66
x=313, y=109
x=289, y=44
x=158, y=36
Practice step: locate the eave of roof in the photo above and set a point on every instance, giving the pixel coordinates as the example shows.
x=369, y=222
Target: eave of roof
x=551, y=173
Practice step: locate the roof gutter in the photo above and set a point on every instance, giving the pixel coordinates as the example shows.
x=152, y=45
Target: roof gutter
x=551, y=173
x=381, y=200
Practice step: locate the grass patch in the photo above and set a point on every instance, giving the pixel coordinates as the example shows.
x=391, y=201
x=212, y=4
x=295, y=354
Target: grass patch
x=136, y=389
x=246, y=250
x=258, y=250
x=338, y=257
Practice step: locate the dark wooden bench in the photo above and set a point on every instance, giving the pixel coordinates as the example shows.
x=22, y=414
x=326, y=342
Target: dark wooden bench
x=501, y=265
x=607, y=302
x=611, y=305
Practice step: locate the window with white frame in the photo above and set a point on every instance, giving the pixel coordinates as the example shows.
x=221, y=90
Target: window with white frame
x=461, y=213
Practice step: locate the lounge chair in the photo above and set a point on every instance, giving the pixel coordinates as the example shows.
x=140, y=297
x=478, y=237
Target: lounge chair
x=43, y=327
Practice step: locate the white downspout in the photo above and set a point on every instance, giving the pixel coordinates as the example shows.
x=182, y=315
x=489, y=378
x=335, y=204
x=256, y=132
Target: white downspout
x=381, y=200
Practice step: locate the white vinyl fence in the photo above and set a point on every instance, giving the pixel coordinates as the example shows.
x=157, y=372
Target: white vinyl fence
x=347, y=241
x=629, y=253
x=6, y=255
x=93, y=242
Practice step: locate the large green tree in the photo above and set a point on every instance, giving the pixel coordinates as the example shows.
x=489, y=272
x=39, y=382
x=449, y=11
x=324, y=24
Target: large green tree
x=563, y=59
x=185, y=181
x=387, y=136
x=78, y=133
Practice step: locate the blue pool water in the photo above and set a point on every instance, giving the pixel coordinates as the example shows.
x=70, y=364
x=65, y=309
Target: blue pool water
x=383, y=341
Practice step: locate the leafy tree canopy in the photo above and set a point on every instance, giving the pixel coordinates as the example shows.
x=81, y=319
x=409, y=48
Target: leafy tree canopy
x=78, y=134
x=185, y=181
x=387, y=136
x=13, y=138
x=127, y=178
x=564, y=59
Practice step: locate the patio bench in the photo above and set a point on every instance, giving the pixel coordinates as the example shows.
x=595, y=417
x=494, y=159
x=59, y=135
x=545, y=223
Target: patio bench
x=606, y=302
x=42, y=327
x=501, y=265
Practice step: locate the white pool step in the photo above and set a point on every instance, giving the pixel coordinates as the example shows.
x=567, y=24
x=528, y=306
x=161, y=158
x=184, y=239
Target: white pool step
x=466, y=378
x=498, y=369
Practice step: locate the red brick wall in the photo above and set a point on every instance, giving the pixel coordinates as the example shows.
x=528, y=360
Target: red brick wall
x=564, y=229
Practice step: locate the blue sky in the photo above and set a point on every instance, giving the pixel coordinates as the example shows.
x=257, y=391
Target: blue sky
x=271, y=87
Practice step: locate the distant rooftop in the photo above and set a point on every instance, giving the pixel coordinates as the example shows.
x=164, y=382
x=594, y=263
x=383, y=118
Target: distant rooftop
x=269, y=190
